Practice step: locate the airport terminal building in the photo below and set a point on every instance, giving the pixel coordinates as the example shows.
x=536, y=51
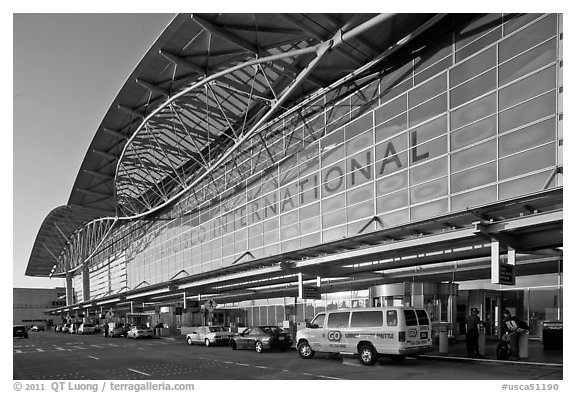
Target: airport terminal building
x=258, y=168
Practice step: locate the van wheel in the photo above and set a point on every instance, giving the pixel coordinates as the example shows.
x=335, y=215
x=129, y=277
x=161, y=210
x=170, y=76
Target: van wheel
x=368, y=355
x=233, y=345
x=305, y=350
x=207, y=342
x=259, y=347
x=189, y=341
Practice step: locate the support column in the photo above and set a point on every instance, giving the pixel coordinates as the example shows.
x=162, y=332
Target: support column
x=85, y=282
x=69, y=289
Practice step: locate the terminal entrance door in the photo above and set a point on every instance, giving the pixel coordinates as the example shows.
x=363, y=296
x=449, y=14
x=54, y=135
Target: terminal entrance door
x=491, y=312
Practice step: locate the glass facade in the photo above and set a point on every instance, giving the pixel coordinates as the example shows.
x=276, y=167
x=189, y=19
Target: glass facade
x=469, y=121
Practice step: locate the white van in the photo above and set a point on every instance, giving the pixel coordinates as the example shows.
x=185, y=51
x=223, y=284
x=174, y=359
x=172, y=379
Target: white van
x=370, y=332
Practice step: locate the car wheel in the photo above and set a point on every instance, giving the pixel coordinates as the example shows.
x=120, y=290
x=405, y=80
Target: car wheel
x=207, y=342
x=305, y=350
x=189, y=341
x=233, y=345
x=259, y=347
x=368, y=355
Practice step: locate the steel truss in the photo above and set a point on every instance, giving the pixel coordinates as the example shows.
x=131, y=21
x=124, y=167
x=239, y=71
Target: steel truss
x=216, y=133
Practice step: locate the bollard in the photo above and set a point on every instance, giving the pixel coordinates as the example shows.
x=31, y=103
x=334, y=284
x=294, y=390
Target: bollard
x=523, y=345
x=482, y=342
x=443, y=342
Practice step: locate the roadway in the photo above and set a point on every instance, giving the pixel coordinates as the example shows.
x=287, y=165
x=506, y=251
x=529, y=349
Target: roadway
x=57, y=356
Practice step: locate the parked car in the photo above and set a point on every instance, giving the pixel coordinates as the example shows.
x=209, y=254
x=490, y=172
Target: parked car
x=209, y=335
x=37, y=328
x=86, y=328
x=116, y=329
x=66, y=328
x=20, y=331
x=58, y=328
x=260, y=338
x=139, y=332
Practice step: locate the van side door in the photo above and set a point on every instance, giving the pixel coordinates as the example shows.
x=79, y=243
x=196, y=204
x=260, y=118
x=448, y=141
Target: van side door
x=337, y=327
x=412, y=328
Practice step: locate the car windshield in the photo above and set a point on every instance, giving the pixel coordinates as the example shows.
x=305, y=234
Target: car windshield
x=216, y=329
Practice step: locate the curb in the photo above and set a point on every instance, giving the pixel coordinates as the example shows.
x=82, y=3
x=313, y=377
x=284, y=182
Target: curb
x=516, y=362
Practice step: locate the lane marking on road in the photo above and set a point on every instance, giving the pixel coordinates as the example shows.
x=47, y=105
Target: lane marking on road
x=60, y=349
x=39, y=349
x=94, y=345
x=349, y=363
x=18, y=351
x=262, y=367
x=243, y=364
x=322, y=376
x=93, y=357
x=140, y=372
x=114, y=345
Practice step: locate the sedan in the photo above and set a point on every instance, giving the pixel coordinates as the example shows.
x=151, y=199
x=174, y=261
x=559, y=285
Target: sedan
x=139, y=332
x=260, y=338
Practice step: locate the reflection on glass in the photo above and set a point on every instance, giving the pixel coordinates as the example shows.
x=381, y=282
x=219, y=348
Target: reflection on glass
x=527, y=38
x=528, y=161
x=473, y=66
x=532, y=60
x=472, y=133
x=473, y=88
x=525, y=138
x=527, y=88
x=474, y=177
x=474, y=198
x=527, y=112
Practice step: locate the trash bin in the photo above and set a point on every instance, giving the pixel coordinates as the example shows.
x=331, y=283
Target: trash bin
x=523, y=345
x=552, y=332
x=482, y=342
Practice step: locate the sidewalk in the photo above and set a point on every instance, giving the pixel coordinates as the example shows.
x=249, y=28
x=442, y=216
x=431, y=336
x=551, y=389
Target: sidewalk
x=537, y=354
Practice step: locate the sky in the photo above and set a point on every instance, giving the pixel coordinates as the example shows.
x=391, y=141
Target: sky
x=67, y=69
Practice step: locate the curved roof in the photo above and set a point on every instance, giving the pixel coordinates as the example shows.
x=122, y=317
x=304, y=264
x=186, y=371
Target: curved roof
x=192, y=48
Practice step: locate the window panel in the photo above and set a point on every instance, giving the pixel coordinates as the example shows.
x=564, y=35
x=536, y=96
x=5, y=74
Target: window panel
x=427, y=110
x=391, y=109
x=365, y=209
x=523, y=185
x=527, y=112
x=430, y=190
x=338, y=320
x=360, y=194
x=288, y=232
x=393, y=219
x=528, y=137
x=334, y=203
x=474, y=177
x=334, y=218
x=367, y=319
x=428, y=171
x=475, y=132
x=358, y=126
x=429, y=150
x=442, y=65
x=391, y=127
x=473, y=111
x=361, y=142
x=392, y=183
x=528, y=161
x=473, y=66
x=310, y=211
x=427, y=90
x=527, y=88
x=392, y=201
x=473, y=156
x=288, y=219
x=359, y=169
x=527, y=38
x=474, y=198
x=334, y=233
x=394, y=153
x=478, y=45
x=333, y=178
x=396, y=82
x=473, y=88
x=518, y=21
x=476, y=28
x=310, y=226
x=524, y=64
x=428, y=210
x=310, y=240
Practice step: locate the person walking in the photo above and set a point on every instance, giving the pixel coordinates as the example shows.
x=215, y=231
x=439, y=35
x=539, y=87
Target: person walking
x=472, y=329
